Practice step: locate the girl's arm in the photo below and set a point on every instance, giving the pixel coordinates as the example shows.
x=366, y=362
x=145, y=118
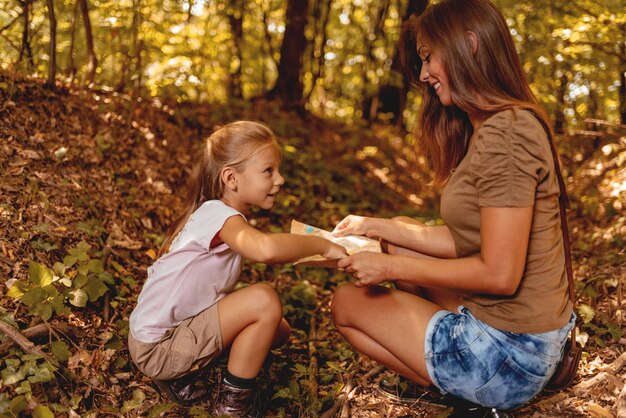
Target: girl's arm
x=497, y=270
x=274, y=248
x=435, y=241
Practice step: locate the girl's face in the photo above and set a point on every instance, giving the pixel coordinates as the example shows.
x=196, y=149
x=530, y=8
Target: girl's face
x=433, y=73
x=260, y=180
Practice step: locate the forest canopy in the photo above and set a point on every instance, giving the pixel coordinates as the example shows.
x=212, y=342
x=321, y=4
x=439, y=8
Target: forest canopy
x=343, y=52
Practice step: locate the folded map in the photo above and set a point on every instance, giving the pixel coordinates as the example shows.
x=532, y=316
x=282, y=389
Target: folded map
x=352, y=243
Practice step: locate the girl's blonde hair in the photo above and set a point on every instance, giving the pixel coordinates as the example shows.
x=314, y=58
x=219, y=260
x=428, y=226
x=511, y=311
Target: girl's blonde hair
x=230, y=146
x=493, y=72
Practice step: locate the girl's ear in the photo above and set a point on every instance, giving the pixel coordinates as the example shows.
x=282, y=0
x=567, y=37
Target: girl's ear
x=472, y=40
x=228, y=176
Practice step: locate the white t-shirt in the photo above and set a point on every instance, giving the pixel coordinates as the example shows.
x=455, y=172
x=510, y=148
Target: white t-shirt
x=189, y=278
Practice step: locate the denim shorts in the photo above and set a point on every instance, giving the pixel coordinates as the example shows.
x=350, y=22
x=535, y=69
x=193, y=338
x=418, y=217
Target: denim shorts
x=493, y=368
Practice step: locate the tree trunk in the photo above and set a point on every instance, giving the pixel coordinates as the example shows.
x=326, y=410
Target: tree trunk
x=93, y=61
x=322, y=13
x=235, y=18
x=70, y=71
x=622, y=85
x=392, y=95
x=370, y=98
x=25, y=47
x=288, y=87
x=52, y=65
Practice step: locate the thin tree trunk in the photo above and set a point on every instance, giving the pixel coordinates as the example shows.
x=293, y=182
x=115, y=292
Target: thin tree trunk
x=235, y=18
x=317, y=55
x=71, y=67
x=25, y=47
x=559, y=113
x=392, y=96
x=268, y=49
x=622, y=80
x=288, y=87
x=92, y=65
x=370, y=101
x=52, y=66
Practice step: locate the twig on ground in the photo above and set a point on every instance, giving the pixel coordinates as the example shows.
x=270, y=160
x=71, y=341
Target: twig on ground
x=621, y=403
x=583, y=387
x=342, y=396
x=312, y=352
x=372, y=373
x=21, y=340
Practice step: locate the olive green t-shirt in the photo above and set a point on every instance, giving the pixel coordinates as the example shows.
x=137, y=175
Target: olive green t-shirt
x=509, y=164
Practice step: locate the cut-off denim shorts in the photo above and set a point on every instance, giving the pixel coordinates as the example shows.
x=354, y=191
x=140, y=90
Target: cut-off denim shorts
x=493, y=368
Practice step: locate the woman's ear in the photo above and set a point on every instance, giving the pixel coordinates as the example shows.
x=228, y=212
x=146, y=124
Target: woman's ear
x=229, y=178
x=472, y=40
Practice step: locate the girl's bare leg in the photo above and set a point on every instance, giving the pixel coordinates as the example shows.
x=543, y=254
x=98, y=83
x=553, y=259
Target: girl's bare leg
x=251, y=322
x=386, y=324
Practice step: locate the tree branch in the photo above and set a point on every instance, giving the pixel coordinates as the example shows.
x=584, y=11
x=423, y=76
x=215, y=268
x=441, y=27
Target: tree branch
x=24, y=343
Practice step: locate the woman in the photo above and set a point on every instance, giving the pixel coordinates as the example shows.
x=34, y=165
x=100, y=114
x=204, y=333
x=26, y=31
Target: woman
x=481, y=306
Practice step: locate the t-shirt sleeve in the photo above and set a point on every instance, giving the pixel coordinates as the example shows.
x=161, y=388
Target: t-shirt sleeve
x=509, y=160
x=209, y=220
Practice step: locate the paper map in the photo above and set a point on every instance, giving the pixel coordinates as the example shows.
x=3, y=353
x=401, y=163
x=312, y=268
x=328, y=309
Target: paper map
x=352, y=243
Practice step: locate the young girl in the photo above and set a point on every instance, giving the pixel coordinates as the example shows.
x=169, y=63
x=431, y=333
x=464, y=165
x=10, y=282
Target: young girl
x=481, y=307
x=187, y=312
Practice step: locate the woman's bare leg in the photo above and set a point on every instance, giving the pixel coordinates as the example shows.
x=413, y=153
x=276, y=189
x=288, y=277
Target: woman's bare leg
x=251, y=322
x=386, y=324
x=446, y=299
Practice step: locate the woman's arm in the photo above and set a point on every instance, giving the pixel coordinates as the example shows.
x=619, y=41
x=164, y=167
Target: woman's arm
x=435, y=241
x=497, y=270
x=274, y=248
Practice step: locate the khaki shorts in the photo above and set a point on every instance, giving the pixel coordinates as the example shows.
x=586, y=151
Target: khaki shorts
x=191, y=345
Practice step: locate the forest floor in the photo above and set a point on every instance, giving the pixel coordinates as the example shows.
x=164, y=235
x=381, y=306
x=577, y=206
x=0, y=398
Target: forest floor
x=90, y=180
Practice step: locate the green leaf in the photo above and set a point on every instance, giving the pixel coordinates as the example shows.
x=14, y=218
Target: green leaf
x=78, y=298
x=80, y=280
x=60, y=350
x=95, y=265
x=34, y=296
x=17, y=290
x=42, y=411
x=42, y=374
x=138, y=398
x=39, y=274
x=70, y=260
x=586, y=312
x=24, y=388
x=44, y=310
x=11, y=375
x=159, y=409
x=18, y=404
x=95, y=288
x=114, y=343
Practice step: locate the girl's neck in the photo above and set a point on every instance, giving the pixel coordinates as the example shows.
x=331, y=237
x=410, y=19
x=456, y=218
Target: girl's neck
x=233, y=203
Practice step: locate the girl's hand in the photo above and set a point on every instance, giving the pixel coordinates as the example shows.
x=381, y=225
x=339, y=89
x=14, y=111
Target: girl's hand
x=353, y=224
x=334, y=251
x=367, y=268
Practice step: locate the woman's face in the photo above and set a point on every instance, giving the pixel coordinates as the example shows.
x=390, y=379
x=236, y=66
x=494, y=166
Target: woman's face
x=433, y=73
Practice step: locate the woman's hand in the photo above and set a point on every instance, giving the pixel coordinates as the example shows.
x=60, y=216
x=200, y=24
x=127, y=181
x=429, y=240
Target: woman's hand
x=335, y=251
x=353, y=224
x=367, y=268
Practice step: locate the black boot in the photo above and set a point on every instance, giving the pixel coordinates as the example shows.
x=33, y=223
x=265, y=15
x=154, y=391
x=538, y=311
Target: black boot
x=236, y=402
x=186, y=390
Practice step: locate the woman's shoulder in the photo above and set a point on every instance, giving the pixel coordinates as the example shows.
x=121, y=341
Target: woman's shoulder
x=515, y=121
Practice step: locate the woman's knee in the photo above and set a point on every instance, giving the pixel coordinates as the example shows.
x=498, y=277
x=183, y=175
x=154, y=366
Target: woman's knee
x=267, y=302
